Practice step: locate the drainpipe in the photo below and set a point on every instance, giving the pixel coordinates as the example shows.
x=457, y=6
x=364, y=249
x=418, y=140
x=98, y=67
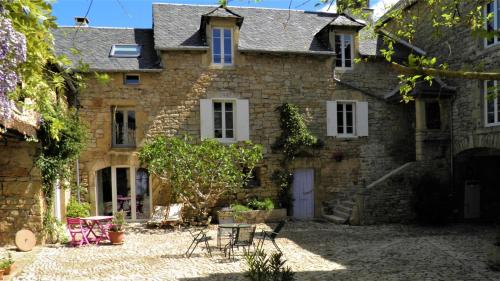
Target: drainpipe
x=78, y=179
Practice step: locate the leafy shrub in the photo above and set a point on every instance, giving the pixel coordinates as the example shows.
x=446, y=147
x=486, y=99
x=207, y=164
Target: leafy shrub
x=263, y=268
x=77, y=209
x=432, y=200
x=266, y=204
x=239, y=208
x=5, y=263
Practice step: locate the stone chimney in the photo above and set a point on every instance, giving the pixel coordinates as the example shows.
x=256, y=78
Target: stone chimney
x=81, y=21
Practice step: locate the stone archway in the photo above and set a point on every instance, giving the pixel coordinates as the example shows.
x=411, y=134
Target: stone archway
x=477, y=183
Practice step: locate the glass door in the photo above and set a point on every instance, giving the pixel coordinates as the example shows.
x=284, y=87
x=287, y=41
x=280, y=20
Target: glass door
x=123, y=189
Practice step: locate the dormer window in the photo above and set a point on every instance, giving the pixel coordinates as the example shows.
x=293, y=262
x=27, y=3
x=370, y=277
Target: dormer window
x=344, y=50
x=222, y=46
x=125, y=51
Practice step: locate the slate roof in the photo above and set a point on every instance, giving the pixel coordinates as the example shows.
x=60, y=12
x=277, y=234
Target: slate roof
x=94, y=46
x=177, y=27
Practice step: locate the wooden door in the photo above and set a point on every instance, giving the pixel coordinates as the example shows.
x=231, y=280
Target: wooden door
x=303, y=194
x=472, y=200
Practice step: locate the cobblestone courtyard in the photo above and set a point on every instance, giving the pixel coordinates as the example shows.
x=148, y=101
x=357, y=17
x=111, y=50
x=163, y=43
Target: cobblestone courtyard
x=315, y=251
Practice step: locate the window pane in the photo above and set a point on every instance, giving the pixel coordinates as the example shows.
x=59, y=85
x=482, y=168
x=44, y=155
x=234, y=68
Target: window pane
x=227, y=46
x=131, y=128
x=216, y=50
x=490, y=25
x=348, y=107
x=118, y=127
x=338, y=50
x=126, y=50
x=218, y=120
x=340, y=118
x=229, y=120
x=229, y=134
x=349, y=130
x=490, y=101
x=217, y=106
x=432, y=115
x=347, y=50
x=229, y=106
x=349, y=118
x=132, y=79
x=498, y=15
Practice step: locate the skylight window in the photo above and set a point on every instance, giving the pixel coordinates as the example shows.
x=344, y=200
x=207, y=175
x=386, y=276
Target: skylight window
x=125, y=51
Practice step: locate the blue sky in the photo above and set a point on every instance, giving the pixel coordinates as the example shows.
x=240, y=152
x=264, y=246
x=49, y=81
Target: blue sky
x=137, y=13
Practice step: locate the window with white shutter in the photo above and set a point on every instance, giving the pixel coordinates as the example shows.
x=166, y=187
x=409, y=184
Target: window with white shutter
x=224, y=120
x=347, y=119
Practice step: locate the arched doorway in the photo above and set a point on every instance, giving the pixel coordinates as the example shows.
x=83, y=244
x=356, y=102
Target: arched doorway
x=477, y=183
x=123, y=188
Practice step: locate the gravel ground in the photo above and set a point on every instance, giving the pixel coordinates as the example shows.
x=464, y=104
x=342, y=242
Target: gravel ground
x=314, y=250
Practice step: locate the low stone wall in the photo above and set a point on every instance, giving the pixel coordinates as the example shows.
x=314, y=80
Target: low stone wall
x=20, y=191
x=254, y=216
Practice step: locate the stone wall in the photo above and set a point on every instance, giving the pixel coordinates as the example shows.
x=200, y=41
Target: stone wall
x=167, y=103
x=461, y=49
x=20, y=190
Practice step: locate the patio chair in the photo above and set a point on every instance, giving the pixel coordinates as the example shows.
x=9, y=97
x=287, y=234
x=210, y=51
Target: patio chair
x=270, y=236
x=76, y=227
x=243, y=238
x=199, y=237
x=174, y=216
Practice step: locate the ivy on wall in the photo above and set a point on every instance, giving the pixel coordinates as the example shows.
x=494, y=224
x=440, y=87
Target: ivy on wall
x=295, y=141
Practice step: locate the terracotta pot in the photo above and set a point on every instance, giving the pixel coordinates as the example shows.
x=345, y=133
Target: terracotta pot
x=116, y=237
x=1, y=274
x=10, y=269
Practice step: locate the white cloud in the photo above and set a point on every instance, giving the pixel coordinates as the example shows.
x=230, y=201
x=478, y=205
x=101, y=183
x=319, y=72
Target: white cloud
x=381, y=7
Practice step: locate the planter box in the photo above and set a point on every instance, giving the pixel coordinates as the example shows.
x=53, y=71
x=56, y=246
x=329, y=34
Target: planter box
x=254, y=216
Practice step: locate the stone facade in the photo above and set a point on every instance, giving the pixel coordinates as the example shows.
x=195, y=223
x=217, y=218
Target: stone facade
x=167, y=103
x=21, y=202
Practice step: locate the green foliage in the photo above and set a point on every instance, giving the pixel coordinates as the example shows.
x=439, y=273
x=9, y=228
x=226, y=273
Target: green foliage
x=199, y=174
x=238, y=208
x=118, y=221
x=263, y=268
x=6, y=262
x=295, y=136
x=284, y=179
x=266, y=204
x=77, y=209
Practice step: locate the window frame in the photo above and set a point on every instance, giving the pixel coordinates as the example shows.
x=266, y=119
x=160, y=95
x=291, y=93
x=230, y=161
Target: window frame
x=496, y=110
x=344, y=119
x=131, y=74
x=342, y=48
x=114, y=47
x=222, y=53
x=125, y=111
x=223, y=112
x=496, y=23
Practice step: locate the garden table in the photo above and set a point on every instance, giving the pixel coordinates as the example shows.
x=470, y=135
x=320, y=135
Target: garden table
x=233, y=227
x=100, y=224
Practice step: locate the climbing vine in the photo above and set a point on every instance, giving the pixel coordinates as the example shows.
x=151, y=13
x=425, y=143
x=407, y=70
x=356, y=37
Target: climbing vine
x=294, y=141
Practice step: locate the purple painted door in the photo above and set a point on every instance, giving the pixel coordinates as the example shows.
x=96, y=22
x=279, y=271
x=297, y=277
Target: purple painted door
x=303, y=194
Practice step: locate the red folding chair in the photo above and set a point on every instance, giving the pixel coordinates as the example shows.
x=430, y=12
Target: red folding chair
x=77, y=226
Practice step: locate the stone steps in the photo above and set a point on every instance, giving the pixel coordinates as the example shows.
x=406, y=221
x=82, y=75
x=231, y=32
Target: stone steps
x=340, y=212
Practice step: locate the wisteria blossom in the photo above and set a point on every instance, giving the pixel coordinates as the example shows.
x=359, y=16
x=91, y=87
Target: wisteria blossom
x=12, y=53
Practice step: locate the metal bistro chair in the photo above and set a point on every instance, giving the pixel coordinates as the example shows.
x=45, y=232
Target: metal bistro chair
x=270, y=236
x=199, y=237
x=243, y=238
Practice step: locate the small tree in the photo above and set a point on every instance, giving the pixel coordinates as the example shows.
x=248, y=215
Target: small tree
x=199, y=174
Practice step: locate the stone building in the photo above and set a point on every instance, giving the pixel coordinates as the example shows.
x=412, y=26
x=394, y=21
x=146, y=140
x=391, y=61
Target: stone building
x=21, y=202
x=472, y=140
x=214, y=72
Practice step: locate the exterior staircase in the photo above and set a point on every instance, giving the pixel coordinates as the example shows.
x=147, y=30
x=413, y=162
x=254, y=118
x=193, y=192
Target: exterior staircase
x=338, y=211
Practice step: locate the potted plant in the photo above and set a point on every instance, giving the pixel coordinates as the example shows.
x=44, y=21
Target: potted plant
x=6, y=266
x=116, y=232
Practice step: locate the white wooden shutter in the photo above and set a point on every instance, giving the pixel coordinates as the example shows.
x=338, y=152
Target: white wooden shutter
x=362, y=119
x=242, y=120
x=331, y=118
x=206, y=119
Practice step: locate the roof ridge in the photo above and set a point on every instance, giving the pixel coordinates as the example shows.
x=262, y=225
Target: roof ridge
x=241, y=7
x=104, y=27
